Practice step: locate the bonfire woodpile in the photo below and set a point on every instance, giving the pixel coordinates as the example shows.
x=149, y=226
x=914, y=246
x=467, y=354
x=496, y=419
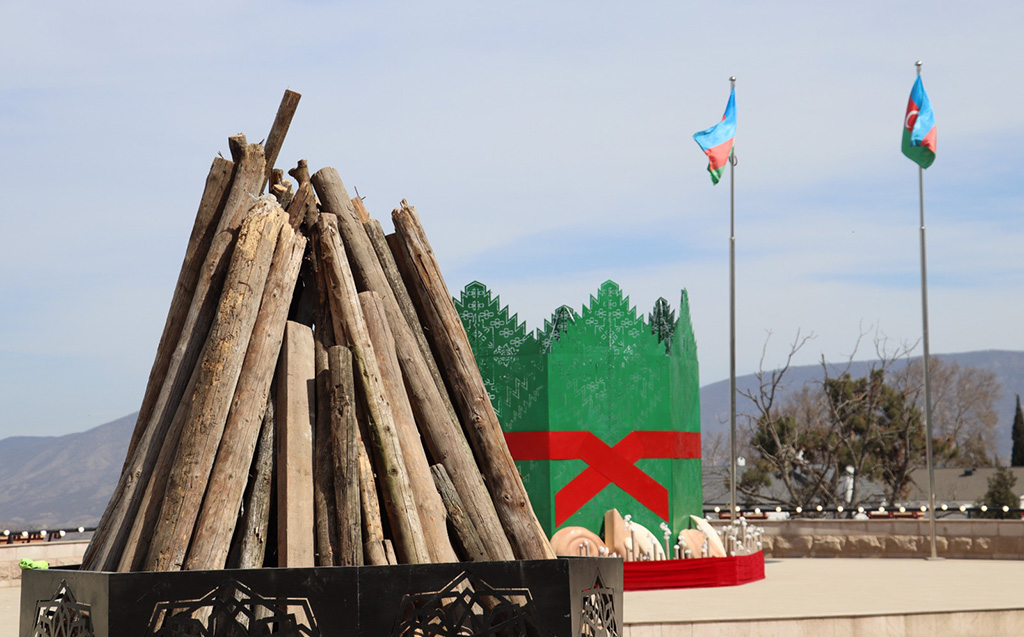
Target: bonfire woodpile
x=314, y=400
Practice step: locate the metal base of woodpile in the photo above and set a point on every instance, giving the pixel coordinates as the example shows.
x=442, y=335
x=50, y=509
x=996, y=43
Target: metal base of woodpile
x=542, y=598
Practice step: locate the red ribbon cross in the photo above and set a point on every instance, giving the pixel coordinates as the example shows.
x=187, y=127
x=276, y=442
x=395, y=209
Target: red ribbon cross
x=606, y=464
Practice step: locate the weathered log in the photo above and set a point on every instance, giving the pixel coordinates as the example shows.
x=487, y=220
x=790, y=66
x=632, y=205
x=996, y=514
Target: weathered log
x=428, y=502
x=349, y=322
x=360, y=209
x=301, y=206
x=378, y=240
x=465, y=532
x=373, y=532
x=435, y=415
x=434, y=412
x=344, y=441
x=252, y=547
x=109, y=541
x=217, y=519
x=300, y=172
x=324, y=470
x=220, y=367
x=471, y=398
x=278, y=130
x=295, y=419
x=283, y=191
x=210, y=208
x=389, y=551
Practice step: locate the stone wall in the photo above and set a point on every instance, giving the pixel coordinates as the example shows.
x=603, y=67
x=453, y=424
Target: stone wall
x=961, y=539
x=56, y=553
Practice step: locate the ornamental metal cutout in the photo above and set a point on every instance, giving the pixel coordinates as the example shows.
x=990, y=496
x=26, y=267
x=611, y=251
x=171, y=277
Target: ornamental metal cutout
x=62, y=616
x=469, y=606
x=598, y=611
x=234, y=610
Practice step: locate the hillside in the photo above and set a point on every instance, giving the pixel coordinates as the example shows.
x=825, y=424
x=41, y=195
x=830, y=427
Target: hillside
x=1007, y=366
x=62, y=481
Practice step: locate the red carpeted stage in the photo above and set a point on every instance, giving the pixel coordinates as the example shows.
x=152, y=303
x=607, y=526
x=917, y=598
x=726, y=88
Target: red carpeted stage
x=694, y=573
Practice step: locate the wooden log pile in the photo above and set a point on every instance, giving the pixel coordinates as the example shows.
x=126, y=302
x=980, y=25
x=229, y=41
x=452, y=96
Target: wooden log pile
x=314, y=400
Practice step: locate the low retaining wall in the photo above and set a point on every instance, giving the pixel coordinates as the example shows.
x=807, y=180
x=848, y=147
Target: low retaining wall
x=970, y=539
x=959, y=539
x=56, y=553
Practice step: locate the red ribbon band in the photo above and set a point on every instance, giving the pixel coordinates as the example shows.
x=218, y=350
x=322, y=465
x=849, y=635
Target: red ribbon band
x=606, y=465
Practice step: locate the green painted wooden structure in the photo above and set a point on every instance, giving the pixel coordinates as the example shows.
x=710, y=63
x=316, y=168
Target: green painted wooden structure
x=601, y=409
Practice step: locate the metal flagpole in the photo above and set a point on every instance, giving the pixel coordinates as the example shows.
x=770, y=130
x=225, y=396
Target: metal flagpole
x=927, y=379
x=732, y=326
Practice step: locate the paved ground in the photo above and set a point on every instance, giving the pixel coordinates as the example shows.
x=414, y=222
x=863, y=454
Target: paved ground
x=10, y=605
x=801, y=588
x=842, y=587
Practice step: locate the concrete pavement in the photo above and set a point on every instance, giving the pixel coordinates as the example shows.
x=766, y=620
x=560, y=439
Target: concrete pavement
x=810, y=587
x=10, y=607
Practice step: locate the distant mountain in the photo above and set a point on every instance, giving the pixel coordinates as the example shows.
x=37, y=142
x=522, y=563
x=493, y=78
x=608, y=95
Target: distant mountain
x=61, y=481
x=1007, y=366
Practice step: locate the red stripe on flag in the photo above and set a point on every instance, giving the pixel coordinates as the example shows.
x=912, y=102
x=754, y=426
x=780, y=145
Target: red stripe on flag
x=930, y=139
x=718, y=156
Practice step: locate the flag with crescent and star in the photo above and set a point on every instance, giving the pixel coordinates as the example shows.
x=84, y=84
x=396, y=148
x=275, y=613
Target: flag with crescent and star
x=716, y=142
x=919, y=127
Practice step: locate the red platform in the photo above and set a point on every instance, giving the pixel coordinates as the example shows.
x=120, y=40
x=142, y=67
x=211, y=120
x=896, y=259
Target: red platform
x=694, y=573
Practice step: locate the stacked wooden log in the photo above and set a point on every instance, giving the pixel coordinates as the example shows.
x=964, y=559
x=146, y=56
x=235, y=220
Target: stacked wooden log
x=314, y=400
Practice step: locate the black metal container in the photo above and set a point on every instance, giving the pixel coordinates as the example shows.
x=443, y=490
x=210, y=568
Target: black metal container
x=566, y=597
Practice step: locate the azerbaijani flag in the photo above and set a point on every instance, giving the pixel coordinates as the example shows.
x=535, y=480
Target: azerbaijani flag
x=716, y=142
x=919, y=127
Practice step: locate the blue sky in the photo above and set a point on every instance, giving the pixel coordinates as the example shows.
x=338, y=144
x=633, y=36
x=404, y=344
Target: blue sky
x=547, y=147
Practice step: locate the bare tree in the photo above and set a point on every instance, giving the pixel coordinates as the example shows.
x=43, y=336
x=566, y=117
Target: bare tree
x=786, y=435
x=877, y=436
x=964, y=417
x=714, y=448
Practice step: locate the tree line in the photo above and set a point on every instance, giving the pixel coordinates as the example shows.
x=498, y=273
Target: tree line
x=808, y=444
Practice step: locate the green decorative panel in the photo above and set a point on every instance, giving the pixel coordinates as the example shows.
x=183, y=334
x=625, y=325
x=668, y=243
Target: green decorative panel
x=514, y=374
x=601, y=409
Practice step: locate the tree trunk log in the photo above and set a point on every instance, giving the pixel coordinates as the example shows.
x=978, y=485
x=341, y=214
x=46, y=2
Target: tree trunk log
x=469, y=539
x=296, y=418
x=218, y=181
x=278, y=130
x=216, y=524
x=373, y=532
x=252, y=547
x=324, y=467
x=220, y=368
x=435, y=415
x=302, y=206
x=394, y=278
x=344, y=440
x=428, y=502
x=350, y=325
x=506, y=487
x=106, y=549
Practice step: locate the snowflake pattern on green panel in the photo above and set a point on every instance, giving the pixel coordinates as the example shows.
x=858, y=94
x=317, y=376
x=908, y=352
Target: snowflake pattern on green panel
x=609, y=375
x=553, y=329
x=686, y=475
x=508, y=356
